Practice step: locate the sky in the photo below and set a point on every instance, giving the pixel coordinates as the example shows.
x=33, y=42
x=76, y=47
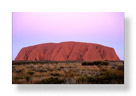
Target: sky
x=31, y=28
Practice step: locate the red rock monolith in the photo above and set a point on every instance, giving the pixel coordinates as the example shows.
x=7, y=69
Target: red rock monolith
x=67, y=51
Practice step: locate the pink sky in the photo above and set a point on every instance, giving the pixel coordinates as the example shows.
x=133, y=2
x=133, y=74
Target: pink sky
x=31, y=28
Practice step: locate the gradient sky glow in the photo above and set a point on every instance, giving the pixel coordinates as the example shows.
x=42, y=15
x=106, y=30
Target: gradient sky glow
x=31, y=28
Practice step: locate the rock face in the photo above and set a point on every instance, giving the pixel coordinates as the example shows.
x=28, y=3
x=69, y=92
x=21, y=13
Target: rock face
x=67, y=51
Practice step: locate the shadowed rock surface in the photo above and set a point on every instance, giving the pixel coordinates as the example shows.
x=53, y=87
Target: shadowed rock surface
x=65, y=51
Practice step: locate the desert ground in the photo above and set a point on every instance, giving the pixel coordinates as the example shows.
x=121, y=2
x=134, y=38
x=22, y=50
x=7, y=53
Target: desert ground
x=67, y=72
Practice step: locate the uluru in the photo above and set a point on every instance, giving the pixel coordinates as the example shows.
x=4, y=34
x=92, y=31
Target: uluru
x=67, y=51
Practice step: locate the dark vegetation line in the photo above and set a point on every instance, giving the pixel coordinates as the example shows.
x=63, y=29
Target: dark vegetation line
x=95, y=63
x=42, y=62
x=84, y=63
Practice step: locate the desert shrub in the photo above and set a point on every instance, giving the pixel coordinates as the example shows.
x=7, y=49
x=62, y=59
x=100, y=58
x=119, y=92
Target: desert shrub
x=104, y=63
x=18, y=77
x=30, y=72
x=34, y=69
x=81, y=80
x=19, y=70
x=122, y=62
x=42, y=70
x=58, y=69
x=87, y=63
x=31, y=66
x=87, y=80
x=55, y=74
x=69, y=80
x=51, y=70
x=97, y=62
x=120, y=68
x=51, y=80
x=61, y=67
x=103, y=69
x=112, y=67
x=27, y=78
x=92, y=63
x=83, y=63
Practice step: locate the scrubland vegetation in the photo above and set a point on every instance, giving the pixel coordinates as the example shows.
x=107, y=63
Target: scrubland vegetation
x=67, y=72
